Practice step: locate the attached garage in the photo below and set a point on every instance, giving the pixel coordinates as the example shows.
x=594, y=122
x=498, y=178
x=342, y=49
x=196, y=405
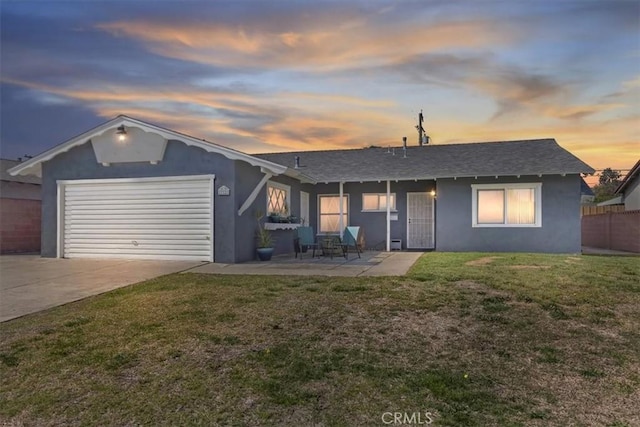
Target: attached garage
x=169, y=218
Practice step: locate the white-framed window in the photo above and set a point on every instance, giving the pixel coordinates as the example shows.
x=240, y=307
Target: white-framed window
x=377, y=202
x=278, y=197
x=507, y=205
x=329, y=212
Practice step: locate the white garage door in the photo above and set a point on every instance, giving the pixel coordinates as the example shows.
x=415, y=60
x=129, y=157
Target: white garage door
x=148, y=218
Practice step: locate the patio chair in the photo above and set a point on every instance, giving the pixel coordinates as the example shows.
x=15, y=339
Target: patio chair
x=306, y=238
x=350, y=239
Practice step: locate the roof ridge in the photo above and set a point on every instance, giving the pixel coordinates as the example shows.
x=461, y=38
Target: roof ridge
x=410, y=146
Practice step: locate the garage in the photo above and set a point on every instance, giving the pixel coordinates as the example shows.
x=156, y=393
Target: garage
x=163, y=218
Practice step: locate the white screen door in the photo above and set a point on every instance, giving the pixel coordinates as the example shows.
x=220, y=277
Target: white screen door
x=420, y=221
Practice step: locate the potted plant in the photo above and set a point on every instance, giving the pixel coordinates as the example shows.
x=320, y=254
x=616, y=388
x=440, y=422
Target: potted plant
x=264, y=239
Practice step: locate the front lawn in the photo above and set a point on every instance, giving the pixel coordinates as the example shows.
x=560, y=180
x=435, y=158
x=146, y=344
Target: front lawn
x=464, y=339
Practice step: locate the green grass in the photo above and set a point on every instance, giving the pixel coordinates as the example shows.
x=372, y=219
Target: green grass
x=473, y=339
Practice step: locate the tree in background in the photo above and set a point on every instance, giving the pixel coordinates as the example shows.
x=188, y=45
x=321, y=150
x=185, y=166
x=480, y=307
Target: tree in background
x=607, y=184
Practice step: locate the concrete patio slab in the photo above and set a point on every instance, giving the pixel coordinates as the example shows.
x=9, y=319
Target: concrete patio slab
x=29, y=283
x=377, y=264
x=587, y=250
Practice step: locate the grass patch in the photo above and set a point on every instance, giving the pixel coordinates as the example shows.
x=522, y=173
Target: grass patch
x=549, y=355
x=473, y=339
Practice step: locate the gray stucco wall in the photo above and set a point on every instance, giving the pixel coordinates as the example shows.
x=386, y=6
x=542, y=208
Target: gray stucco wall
x=180, y=159
x=247, y=177
x=632, y=196
x=560, y=231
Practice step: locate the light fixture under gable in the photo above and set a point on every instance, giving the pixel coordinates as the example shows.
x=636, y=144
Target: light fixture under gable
x=128, y=144
x=121, y=132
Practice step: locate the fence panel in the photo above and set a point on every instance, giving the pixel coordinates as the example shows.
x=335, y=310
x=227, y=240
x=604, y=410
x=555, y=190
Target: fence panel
x=596, y=210
x=612, y=230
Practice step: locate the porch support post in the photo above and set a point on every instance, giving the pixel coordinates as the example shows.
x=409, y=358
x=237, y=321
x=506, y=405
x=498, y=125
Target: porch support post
x=340, y=220
x=388, y=216
x=267, y=176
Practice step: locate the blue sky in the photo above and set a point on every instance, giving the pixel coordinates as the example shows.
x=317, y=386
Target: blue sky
x=292, y=75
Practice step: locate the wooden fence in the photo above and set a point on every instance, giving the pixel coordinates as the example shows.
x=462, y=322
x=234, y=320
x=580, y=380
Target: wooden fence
x=596, y=210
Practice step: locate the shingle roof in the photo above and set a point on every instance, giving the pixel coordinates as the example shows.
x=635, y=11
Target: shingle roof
x=585, y=190
x=6, y=164
x=628, y=179
x=530, y=157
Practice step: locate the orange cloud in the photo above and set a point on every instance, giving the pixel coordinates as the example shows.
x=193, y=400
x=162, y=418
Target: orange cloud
x=346, y=45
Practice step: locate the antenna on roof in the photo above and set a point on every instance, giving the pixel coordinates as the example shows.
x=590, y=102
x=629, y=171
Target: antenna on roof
x=423, y=138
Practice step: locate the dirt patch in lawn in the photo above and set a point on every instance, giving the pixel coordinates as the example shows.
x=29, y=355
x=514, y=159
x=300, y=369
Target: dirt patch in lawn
x=530, y=267
x=478, y=288
x=482, y=261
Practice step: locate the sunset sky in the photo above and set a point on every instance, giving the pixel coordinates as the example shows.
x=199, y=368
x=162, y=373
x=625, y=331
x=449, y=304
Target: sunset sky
x=279, y=75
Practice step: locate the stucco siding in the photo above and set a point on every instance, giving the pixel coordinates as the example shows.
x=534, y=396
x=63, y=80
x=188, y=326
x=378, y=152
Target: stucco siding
x=246, y=226
x=632, y=196
x=179, y=159
x=559, y=233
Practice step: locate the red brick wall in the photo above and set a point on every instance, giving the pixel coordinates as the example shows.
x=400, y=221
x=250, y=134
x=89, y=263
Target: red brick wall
x=614, y=230
x=19, y=225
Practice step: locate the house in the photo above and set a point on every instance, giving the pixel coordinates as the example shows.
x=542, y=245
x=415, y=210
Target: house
x=19, y=211
x=629, y=189
x=132, y=189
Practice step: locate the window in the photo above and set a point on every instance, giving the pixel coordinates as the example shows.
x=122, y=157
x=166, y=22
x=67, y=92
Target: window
x=507, y=205
x=377, y=201
x=278, y=198
x=329, y=213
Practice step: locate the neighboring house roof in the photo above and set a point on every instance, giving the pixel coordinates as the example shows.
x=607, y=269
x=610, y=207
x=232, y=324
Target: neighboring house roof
x=613, y=201
x=585, y=190
x=33, y=166
x=633, y=174
x=512, y=158
x=6, y=164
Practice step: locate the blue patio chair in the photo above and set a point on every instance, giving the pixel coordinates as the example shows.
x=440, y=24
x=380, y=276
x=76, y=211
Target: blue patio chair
x=305, y=238
x=350, y=239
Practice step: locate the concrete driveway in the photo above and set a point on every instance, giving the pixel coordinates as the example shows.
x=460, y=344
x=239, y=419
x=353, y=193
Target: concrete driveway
x=29, y=283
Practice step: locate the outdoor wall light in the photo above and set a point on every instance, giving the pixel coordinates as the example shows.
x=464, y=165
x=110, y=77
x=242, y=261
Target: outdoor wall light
x=433, y=193
x=122, y=133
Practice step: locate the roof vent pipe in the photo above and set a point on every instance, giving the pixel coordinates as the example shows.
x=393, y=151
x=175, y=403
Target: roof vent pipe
x=404, y=146
x=297, y=162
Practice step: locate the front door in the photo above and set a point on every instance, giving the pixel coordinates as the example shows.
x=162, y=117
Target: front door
x=420, y=221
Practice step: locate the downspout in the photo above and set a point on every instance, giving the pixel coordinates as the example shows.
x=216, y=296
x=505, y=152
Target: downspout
x=388, y=216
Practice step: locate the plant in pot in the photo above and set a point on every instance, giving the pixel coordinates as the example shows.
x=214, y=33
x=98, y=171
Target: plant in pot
x=264, y=239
